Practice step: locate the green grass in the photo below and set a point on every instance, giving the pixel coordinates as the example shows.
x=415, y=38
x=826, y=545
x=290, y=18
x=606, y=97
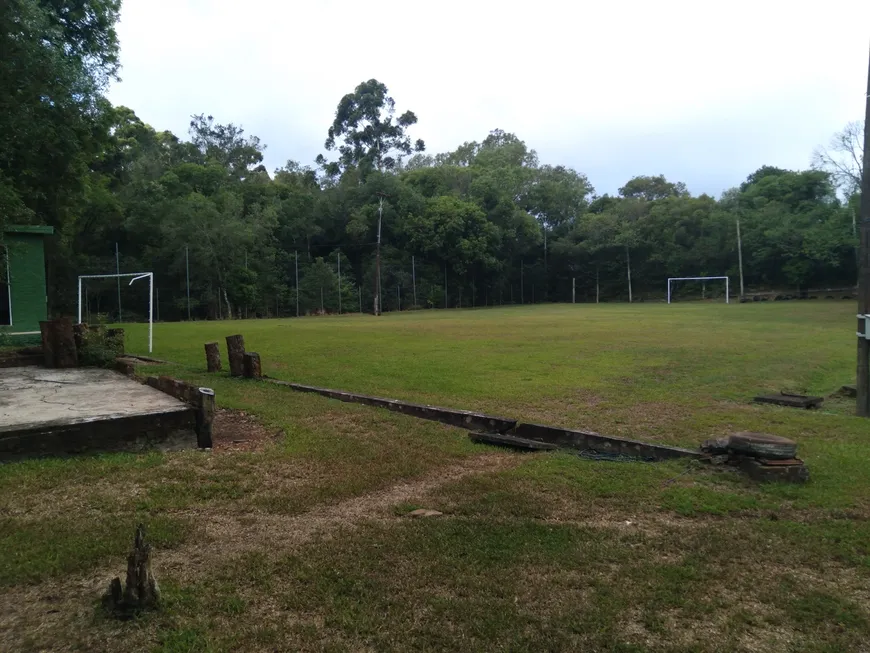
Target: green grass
x=615, y=368
x=540, y=552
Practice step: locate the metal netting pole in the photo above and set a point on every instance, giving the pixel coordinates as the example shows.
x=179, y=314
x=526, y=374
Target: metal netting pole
x=187, y=267
x=118, y=272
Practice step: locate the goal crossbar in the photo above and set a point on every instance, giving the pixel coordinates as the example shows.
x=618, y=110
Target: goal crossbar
x=699, y=279
x=136, y=276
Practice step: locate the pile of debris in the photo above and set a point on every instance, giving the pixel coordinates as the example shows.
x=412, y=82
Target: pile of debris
x=763, y=457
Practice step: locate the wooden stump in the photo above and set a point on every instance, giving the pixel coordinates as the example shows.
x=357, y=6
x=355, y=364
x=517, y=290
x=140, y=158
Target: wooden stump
x=141, y=591
x=252, y=365
x=236, y=354
x=47, y=332
x=212, y=357
x=65, y=352
x=205, y=418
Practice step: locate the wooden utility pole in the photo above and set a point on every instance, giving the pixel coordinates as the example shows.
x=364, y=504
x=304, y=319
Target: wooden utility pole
x=863, y=380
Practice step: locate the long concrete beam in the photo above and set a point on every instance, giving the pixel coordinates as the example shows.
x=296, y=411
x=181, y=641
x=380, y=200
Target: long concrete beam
x=473, y=421
x=465, y=419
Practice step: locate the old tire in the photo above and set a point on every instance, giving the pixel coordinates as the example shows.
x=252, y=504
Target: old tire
x=762, y=445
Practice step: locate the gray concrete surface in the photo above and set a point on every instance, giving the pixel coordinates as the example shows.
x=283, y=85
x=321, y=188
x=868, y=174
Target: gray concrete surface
x=35, y=396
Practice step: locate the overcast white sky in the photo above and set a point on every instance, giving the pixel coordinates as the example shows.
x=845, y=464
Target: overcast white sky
x=703, y=91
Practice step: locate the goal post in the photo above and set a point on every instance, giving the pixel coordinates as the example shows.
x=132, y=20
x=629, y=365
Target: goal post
x=136, y=276
x=727, y=284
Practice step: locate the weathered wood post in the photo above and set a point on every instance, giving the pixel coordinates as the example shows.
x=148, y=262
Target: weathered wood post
x=205, y=418
x=252, y=365
x=236, y=354
x=212, y=357
x=65, y=352
x=47, y=343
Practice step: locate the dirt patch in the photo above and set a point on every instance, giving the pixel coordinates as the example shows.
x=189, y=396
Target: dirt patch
x=236, y=430
x=237, y=533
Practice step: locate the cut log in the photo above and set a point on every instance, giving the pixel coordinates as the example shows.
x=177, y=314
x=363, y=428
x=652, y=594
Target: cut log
x=47, y=332
x=252, y=365
x=65, y=352
x=212, y=357
x=141, y=591
x=236, y=354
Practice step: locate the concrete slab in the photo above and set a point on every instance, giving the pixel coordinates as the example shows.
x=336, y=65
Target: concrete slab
x=39, y=396
x=58, y=411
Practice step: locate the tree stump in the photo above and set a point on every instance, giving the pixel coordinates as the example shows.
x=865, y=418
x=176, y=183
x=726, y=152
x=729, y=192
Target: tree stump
x=141, y=591
x=205, y=418
x=47, y=332
x=236, y=354
x=212, y=357
x=65, y=352
x=252, y=365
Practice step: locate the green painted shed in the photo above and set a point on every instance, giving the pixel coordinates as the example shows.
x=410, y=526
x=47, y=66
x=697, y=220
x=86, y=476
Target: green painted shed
x=23, y=296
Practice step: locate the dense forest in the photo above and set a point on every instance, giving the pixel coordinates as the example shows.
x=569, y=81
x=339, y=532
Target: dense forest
x=487, y=223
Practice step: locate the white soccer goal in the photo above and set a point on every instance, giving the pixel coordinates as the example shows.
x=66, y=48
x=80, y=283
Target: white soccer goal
x=727, y=287
x=136, y=276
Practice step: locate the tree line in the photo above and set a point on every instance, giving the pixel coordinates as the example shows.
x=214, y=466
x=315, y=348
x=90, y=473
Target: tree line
x=485, y=224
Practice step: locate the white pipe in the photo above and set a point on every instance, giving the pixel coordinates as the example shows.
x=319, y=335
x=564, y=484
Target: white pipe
x=727, y=286
x=136, y=276
x=112, y=276
x=8, y=283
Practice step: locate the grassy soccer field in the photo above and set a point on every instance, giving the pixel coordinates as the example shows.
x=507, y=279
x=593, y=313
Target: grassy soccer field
x=302, y=543
x=672, y=373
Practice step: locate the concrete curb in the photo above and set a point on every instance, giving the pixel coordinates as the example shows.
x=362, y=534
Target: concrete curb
x=465, y=419
x=473, y=421
x=589, y=440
